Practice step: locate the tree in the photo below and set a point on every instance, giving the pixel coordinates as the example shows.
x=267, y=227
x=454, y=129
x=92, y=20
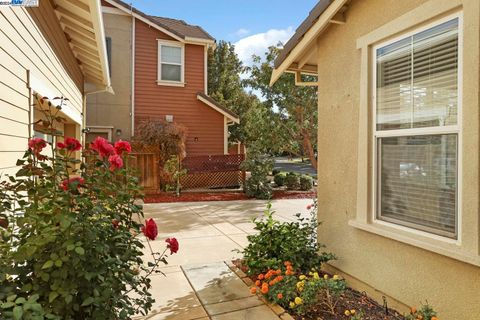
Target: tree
x=297, y=106
x=225, y=85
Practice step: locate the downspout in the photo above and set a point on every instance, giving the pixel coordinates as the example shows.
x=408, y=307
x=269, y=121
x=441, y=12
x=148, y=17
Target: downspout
x=132, y=112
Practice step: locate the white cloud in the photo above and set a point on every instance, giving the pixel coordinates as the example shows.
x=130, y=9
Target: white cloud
x=242, y=32
x=258, y=43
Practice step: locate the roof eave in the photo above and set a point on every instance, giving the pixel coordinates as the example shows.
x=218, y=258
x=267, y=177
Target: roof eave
x=287, y=63
x=205, y=99
x=98, y=26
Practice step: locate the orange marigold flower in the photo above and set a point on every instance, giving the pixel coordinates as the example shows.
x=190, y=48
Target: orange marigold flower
x=278, y=272
x=257, y=283
x=279, y=278
x=253, y=290
x=280, y=296
x=260, y=276
x=272, y=282
x=413, y=310
x=434, y=318
x=287, y=263
x=264, y=290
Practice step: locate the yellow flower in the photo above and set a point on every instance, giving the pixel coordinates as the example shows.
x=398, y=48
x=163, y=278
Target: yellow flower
x=298, y=300
x=352, y=311
x=302, y=277
x=292, y=305
x=347, y=313
x=336, y=277
x=316, y=276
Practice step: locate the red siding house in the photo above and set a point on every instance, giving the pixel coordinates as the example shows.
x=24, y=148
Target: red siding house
x=158, y=71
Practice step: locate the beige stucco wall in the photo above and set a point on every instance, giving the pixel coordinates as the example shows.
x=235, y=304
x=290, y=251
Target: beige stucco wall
x=105, y=109
x=401, y=271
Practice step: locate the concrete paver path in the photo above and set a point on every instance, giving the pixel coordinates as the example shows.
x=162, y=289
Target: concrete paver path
x=198, y=283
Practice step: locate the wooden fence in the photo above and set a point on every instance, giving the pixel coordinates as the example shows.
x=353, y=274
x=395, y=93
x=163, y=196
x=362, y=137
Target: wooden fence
x=203, y=172
x=216, y=171
x=146, y=164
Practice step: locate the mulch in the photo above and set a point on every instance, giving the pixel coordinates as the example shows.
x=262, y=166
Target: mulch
x=164, y=197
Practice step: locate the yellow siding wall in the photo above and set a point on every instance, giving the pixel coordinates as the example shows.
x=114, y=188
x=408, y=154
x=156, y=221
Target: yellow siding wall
x=403, y=272
x=26, y=43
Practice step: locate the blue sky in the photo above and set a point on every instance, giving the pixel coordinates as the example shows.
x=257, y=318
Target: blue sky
x=252, y=25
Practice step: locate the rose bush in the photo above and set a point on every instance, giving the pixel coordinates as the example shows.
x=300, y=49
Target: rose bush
x=70, y=234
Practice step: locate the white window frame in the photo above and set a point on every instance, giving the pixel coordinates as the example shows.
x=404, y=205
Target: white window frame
x=168, y=43
x=450, y=129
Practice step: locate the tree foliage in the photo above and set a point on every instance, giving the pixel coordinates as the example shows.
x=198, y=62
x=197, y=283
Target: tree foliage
x=295, y=106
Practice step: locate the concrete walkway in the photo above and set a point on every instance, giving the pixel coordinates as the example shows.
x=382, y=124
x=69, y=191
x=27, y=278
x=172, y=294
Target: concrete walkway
x=198, y=282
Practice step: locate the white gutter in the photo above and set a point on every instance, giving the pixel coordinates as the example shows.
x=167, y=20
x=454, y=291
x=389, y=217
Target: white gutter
x=132, y=113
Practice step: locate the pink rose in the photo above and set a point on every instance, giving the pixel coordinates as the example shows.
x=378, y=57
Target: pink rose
x=71, y=144
x=116, y=162
x=102, y=146
x=172, y=245
x=150, y=229
x=122, y=146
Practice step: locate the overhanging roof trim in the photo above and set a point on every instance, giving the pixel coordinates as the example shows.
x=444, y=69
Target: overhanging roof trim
x=82, y=23
x=177, y=29
x=317, y=20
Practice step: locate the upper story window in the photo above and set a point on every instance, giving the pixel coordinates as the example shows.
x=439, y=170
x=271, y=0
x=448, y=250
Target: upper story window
x=417, y=132
x=170, y=62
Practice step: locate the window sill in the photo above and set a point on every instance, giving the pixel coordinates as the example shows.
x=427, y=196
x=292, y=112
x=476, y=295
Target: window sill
x=443, y=246
x=171, y=83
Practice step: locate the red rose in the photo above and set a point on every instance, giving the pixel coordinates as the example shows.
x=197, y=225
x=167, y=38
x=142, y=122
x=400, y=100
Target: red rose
x=122, y=146
x=116, y=162
x=75, y=181
x=4, y=223
x=102, y=146
x=172, y=245
x=150, y=229
x=71, y=144
x=36, y=145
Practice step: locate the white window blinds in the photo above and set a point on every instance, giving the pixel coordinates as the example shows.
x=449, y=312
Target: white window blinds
x=417, y=90
x=417, y=80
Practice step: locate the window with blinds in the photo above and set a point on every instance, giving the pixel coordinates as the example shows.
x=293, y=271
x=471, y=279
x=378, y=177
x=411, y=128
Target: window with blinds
x=171, y=63
x=417, y=130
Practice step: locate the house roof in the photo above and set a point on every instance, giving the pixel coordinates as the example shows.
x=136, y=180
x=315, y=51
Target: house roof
x=182, y=28
x=209, y=101
x=319, y=8
x=82, y=24
x=298, y=54
x=178, y=29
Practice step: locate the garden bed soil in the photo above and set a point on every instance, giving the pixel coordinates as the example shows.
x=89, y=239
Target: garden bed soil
x=351, y=299
x=223, y=196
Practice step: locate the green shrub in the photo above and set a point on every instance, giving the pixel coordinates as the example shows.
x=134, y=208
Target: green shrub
x=306, y=183
x=275, y=172
x=292, y=181
x=258, y=186
x=279, y=179
x=258, y=189
x=277, y=242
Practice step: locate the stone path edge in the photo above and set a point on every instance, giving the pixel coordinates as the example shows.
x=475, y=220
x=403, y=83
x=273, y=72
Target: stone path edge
x=278, y=310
